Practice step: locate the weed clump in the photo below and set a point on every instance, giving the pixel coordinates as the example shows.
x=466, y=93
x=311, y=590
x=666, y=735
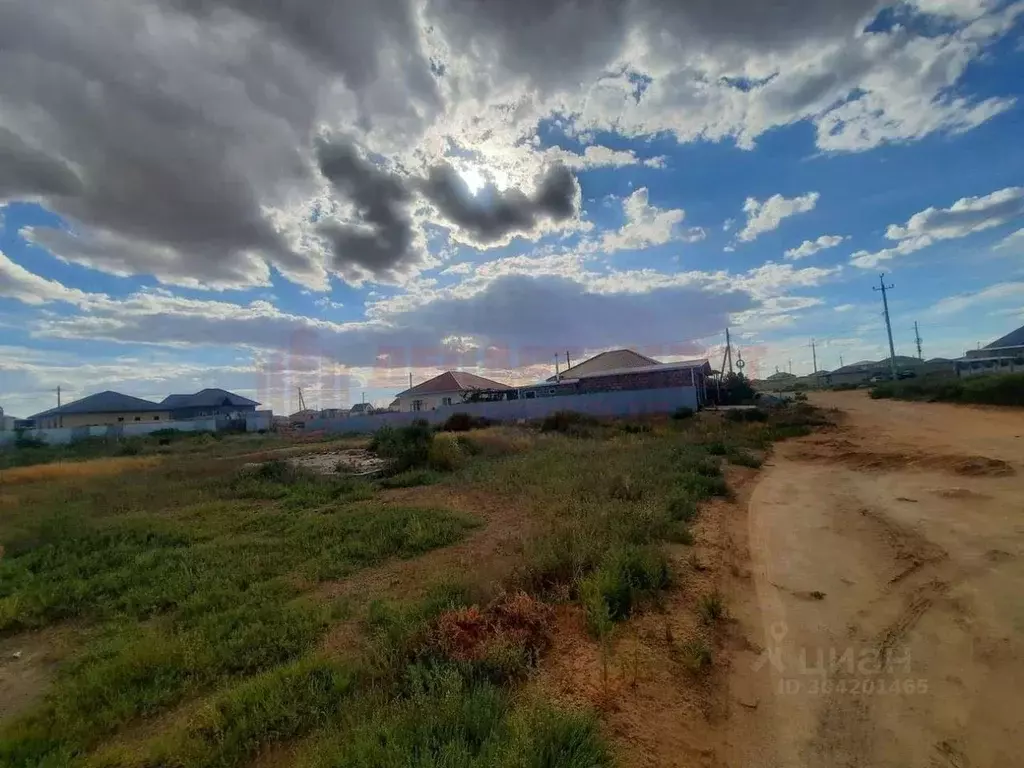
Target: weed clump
x=568, y=422
x=711, y=607
x=464, y=422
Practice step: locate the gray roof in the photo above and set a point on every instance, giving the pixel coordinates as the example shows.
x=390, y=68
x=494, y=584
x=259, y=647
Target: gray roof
x=104, y=402
x=207, y=398
x=1012, y=339
x=613, y=360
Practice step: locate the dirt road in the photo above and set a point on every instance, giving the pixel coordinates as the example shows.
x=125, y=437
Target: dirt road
x=886, y=597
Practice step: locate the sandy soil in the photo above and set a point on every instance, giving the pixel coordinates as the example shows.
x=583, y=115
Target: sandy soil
x=885, y=613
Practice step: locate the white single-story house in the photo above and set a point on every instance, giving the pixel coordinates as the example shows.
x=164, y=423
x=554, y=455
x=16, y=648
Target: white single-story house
x=447, y=389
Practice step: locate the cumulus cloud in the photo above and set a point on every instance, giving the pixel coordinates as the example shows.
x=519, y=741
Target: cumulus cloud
x=494, y=215
x=200, y=166
x=765, y=216
x=811, y=247
x=597, y=156
x=986, y=297
x=966, y=216
x=1013, y=241
x=647, y=225
x=18, y=283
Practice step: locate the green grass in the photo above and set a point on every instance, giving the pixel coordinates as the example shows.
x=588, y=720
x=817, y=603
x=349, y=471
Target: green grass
x=446, y=720
x=198, y=590
x=995, y=389
x=190, y=592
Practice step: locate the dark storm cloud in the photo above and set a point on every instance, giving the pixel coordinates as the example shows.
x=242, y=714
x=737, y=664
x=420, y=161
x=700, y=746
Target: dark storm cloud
x=530, y=318
x=346, y=36
x=26, y=171
x=180, y=129
x=562, y=44
x=490, y=217
x=381, y=242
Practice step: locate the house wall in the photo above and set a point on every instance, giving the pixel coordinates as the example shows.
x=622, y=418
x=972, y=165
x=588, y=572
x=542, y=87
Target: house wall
x=211, y=411
x=70, y=420
x=430, y=402
x=611, y=403
x=65, y=435
x=968, y=368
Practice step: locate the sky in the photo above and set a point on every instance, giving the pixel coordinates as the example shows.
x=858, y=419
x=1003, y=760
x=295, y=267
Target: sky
x=341, y=195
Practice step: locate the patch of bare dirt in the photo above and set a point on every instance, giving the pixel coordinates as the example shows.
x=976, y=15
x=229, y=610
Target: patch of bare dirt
x=490, y=552
x=658, y=704
x=921, y=600
x=841, y=451
x=351, y=461
x=27, y=665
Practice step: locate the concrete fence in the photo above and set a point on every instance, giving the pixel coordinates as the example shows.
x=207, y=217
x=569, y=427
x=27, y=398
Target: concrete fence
x=623, y=403
x=65, y=435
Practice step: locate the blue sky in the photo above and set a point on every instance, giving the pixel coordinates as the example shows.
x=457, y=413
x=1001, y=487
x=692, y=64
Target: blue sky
x=263, y=206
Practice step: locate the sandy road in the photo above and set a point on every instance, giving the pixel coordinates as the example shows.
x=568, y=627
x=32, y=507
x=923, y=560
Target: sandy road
x=885, y=604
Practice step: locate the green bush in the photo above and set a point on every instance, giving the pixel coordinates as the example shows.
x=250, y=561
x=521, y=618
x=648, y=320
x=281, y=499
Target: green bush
x=747, y=415
x=407, y=447
x=463, y=422
x=445, y=455
x=566, y=421
x=410, y=478
x=682, y=412
x=625, y=575
x=997, y=389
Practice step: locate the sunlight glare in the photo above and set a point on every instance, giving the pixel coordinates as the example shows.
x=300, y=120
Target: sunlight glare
x=474, y=179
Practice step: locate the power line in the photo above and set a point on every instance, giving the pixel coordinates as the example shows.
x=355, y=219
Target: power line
x=888, y=326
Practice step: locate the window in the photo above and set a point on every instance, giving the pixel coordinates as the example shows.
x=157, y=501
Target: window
x=156, y=418
x=552, y=391
x=120, y=418
x=530, y=395
x=417, y=405
x=446, y=401
x=138, y=418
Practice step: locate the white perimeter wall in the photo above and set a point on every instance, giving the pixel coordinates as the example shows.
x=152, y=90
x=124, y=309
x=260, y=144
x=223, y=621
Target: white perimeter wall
x=65, y=435
x=627, y=403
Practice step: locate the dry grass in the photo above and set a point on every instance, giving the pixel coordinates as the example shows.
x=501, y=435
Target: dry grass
x=77, y=469
x=501, y=441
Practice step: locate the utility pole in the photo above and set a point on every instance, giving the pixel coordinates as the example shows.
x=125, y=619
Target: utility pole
x=727, y=355
x=790, y=361
x=917, y=338
x=568, y=364
x=60, y=416
x=888, y=326
x=410, y=379
x=557, y=375
x=814, y=358
x=302, y=400
x=840, y=361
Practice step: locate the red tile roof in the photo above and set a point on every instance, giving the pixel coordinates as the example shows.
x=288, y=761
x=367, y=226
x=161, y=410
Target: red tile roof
x=453, y=381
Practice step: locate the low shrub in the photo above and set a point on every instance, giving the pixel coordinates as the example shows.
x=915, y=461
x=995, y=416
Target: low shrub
x=747, y=415
x=682, y=413
x=711, y=607
x=445, y=455
x=995, y=389
x=744, y=458
x=696, y=654
x=634, y=428
x=625, y=488
x=566, y=422
x=682, y=508
x=411, y=478
x=407, y=447
x=624, y=577
x=463, y=422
